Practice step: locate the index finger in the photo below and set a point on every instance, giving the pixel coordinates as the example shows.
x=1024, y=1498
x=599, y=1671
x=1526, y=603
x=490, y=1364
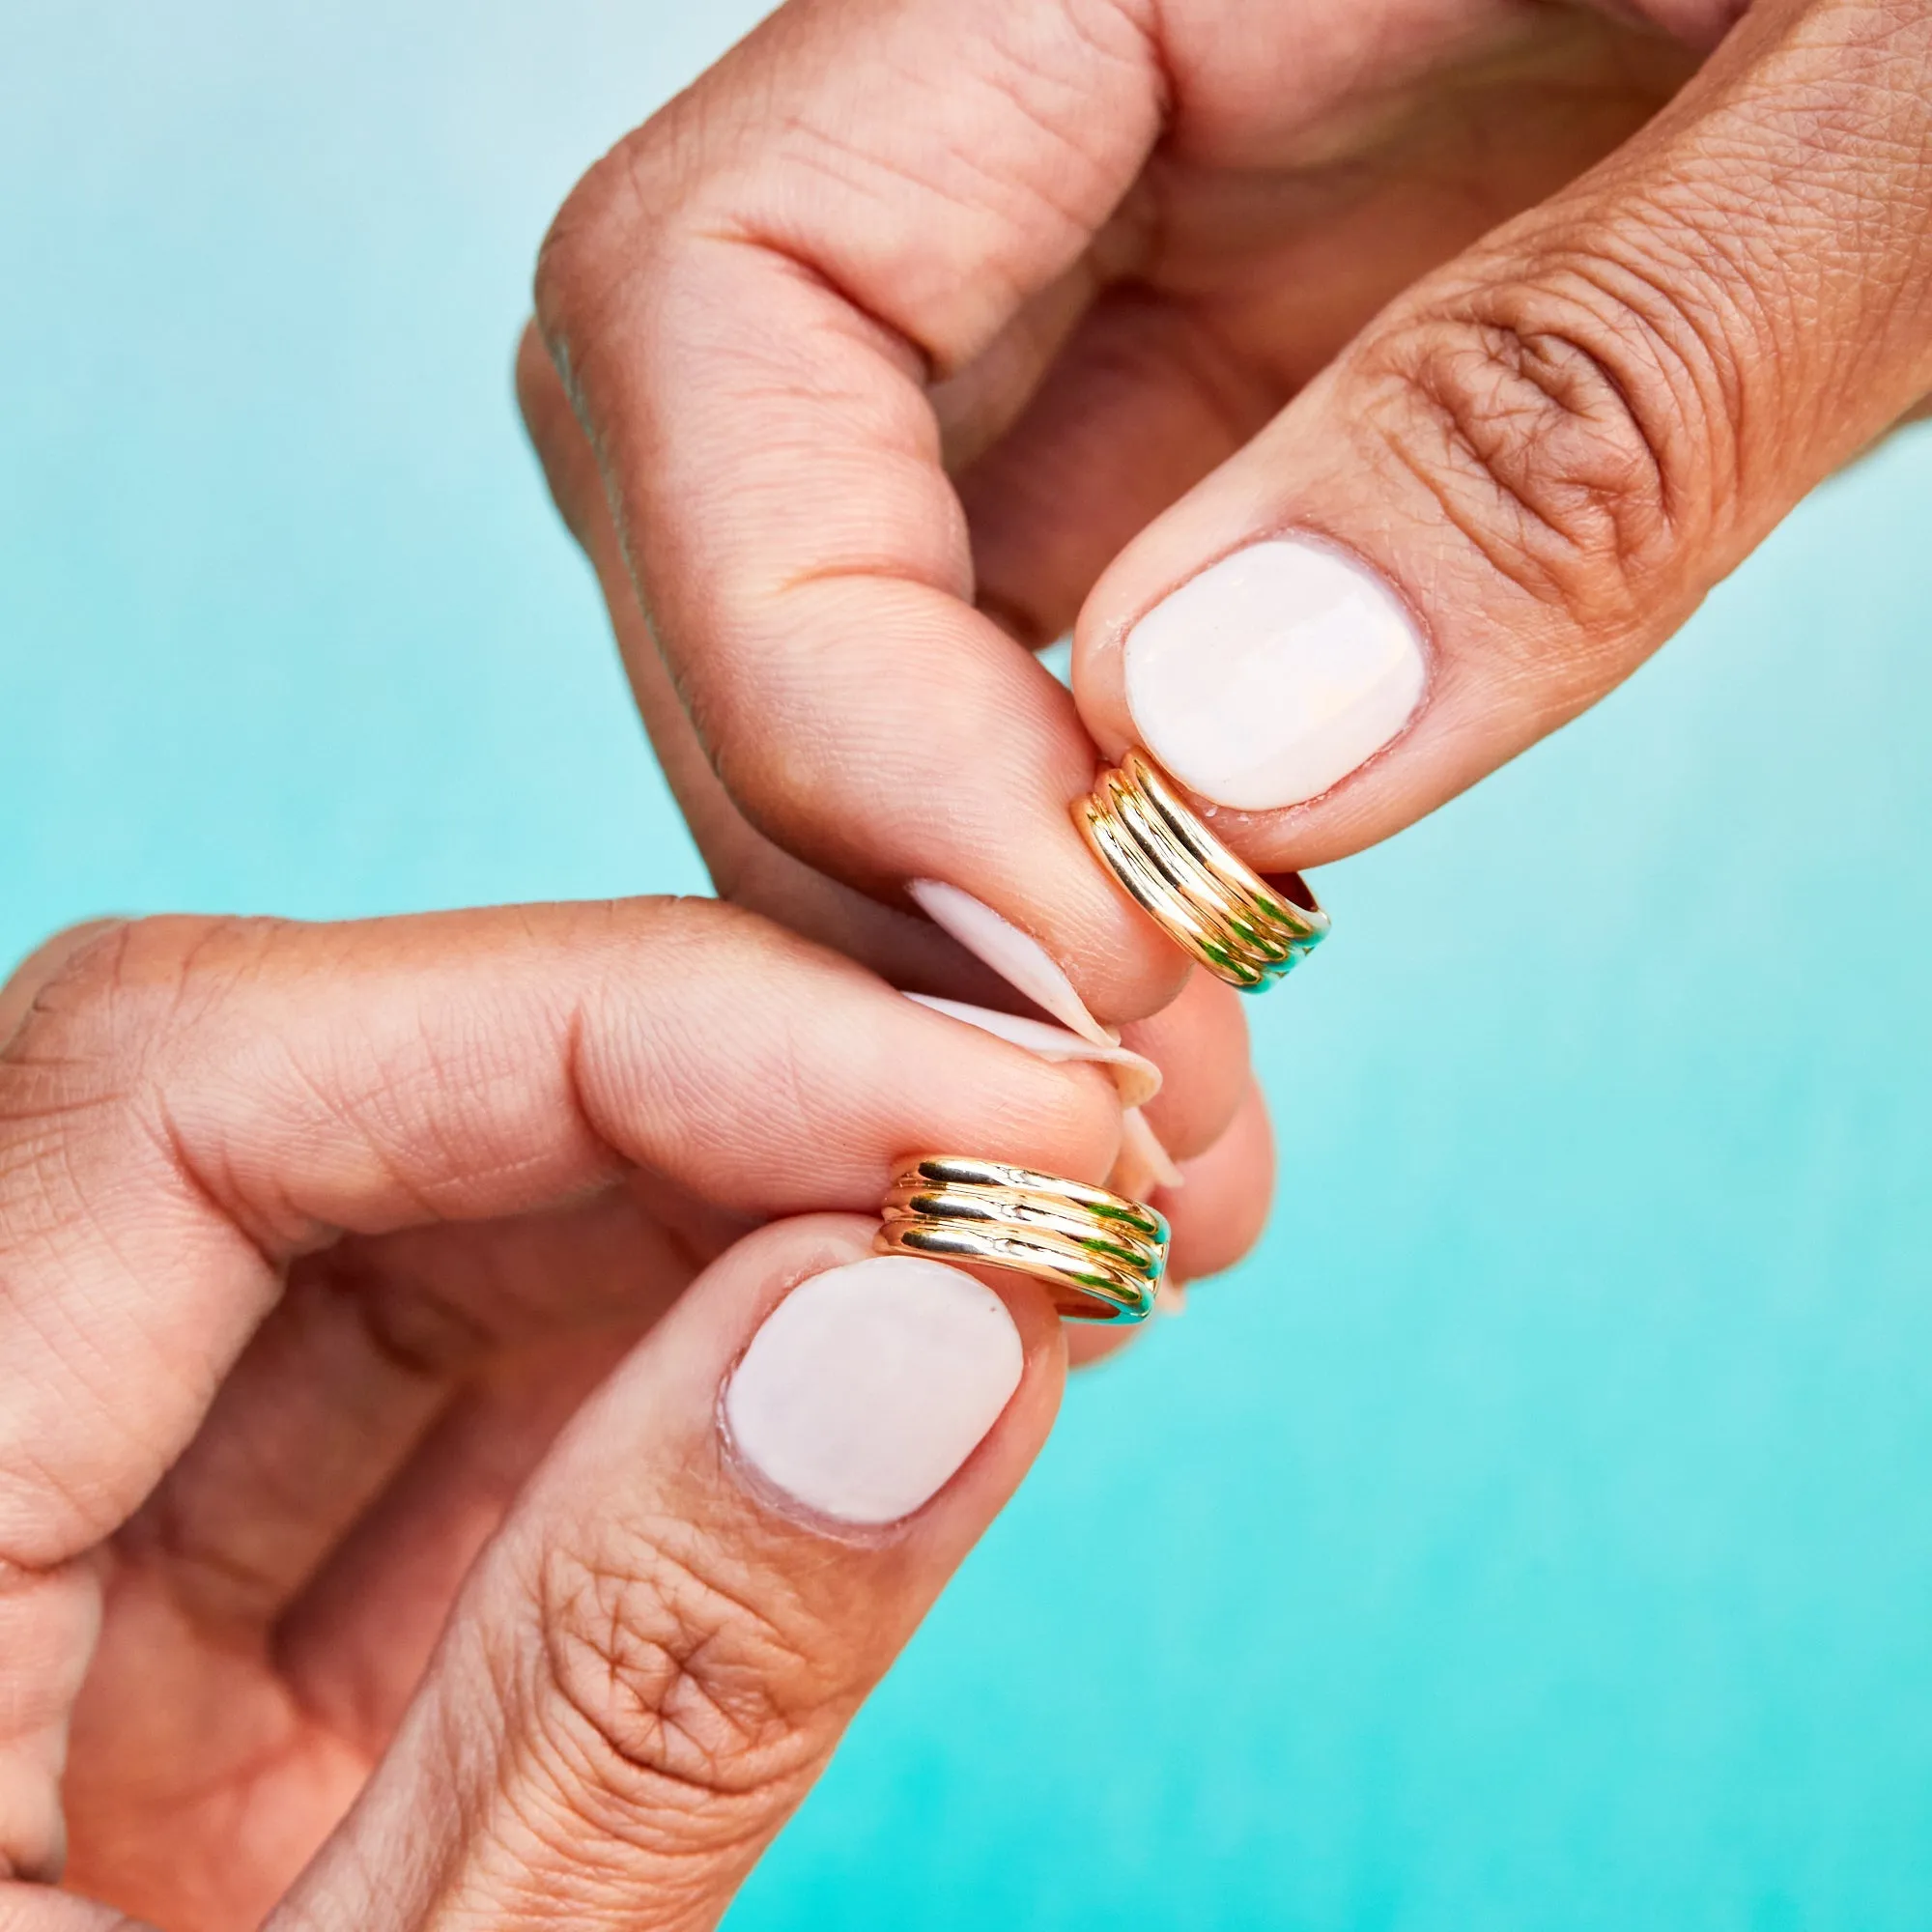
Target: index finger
x=194, y=1103
x=748, y=301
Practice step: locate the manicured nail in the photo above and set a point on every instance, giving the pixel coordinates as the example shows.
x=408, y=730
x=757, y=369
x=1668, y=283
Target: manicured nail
x=1019, y=958
x=1136, y=1076
x=1141, y=1147
x=1273, y=674
x=870, y=1385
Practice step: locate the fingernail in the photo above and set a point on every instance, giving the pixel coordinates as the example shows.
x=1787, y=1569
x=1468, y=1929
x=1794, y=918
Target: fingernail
x=1019, y=958
x=1136, y=1076
x=1142, y=1147
x=1273, y=674
x=870, y=1385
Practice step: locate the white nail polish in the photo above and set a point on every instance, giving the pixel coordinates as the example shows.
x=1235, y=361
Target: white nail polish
x=1273, y=674
x=1019, y=958
x=870, y=1384
x=1141, y=1164
x=1136, y=1076
x=1140, y=1143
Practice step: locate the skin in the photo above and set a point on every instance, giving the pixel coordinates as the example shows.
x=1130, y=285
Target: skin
x=916, y=331
x=919, y=331
x=1197, y=1036
x=367, y=1545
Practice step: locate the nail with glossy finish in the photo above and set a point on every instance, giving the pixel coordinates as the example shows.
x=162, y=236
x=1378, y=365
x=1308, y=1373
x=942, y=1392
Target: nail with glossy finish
x=1136, y=1076
x=1019, y=958
x=870, y=1385
x=1272, y=675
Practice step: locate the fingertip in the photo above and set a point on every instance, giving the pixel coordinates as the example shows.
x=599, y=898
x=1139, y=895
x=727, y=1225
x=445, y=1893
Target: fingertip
x=769, y=1493
x=869, y=1386
x=854, y=1385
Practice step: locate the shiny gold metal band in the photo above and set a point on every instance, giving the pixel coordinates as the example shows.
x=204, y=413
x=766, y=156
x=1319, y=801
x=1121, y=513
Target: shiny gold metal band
x=1203, y=898
x=1101, y=1254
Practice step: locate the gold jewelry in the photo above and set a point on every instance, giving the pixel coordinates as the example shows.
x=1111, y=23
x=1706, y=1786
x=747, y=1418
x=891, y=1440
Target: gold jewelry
x=1224, y=913
x=1102, y=1254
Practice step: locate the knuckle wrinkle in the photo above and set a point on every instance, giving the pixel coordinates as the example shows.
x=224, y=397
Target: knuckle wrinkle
x=684, y=1710
x=1567, y=431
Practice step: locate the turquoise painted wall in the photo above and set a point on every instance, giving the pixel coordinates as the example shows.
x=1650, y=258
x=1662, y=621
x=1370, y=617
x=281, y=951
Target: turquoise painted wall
x=1538, y=1532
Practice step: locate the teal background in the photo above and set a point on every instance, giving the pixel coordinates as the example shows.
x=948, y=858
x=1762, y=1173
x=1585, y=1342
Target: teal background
x=1536, y=1532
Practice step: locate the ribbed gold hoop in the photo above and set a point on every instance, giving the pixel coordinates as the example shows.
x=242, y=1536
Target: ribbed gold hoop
x=1101, y=1254
x=1185, y=879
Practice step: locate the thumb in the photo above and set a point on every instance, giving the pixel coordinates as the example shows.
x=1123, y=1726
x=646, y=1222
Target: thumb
x=1525, y=475
x=654, y=1660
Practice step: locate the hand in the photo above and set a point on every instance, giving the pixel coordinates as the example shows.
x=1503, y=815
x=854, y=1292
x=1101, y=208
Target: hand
x=316, y=1244
x=1199, y=1039
x=893, y=331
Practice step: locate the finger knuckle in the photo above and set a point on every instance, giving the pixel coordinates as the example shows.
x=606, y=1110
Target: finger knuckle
x=569, y=246
x=109, y=1005
x=606, y=230
x=789, y=790
x=87, y=1064
x=683, y=1711
x=78, y=994
x=1564, y=424
x=793, y=789
x=126, y=995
